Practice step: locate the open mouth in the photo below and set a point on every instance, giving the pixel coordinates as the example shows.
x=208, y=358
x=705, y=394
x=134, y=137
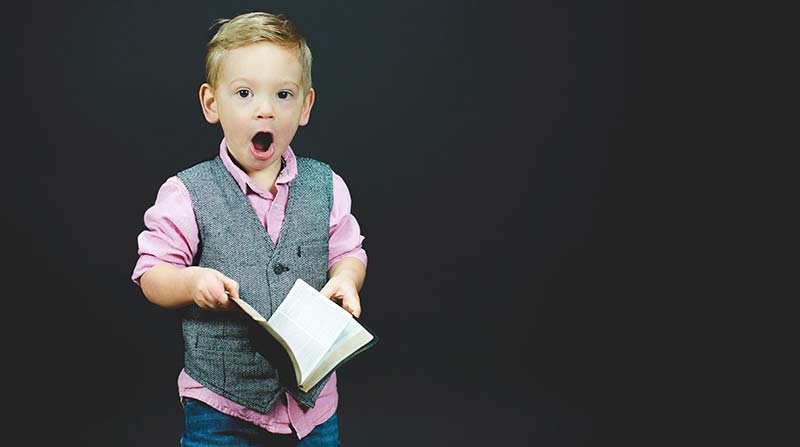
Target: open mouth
x=262, y=141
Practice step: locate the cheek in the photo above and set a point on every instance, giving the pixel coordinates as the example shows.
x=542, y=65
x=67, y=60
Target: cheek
x=288, y=132
x=233, y=124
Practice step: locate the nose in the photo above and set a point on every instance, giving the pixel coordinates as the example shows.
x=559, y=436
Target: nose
x=264, y=109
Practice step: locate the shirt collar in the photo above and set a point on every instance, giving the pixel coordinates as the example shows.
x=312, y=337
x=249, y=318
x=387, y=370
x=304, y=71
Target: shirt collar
x=287, y=174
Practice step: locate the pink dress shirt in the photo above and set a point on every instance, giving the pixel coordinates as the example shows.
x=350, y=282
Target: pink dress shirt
x=172, y=237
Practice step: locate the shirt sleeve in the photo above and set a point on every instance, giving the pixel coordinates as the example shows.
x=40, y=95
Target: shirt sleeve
x=344, y=238
x=171, y=234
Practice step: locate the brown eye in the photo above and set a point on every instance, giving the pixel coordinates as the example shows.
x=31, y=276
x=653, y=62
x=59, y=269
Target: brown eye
x=243, y=93
x=284, y=94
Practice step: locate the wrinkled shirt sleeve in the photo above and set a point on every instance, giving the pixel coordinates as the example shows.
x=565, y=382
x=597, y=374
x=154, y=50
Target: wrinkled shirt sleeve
x=171, y=234
x=344, y=238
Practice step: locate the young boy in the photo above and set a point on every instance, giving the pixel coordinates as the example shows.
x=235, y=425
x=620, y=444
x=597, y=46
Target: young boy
x=248, y=223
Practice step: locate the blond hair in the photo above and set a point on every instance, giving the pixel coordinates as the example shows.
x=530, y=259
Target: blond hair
x=254, y=27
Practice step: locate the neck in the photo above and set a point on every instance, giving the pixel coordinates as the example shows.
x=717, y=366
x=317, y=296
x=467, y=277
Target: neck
x=265, y=179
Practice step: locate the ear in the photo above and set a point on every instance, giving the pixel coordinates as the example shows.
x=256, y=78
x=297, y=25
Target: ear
x=308, y=103
x=209, y=103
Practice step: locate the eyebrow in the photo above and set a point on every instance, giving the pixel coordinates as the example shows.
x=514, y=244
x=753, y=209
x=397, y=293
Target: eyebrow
x=248, y=81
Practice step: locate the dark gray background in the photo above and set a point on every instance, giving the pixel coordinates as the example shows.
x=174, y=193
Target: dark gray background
x=481, y=143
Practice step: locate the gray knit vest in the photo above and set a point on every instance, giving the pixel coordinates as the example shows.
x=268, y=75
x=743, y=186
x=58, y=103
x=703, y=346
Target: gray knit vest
x=219, y=349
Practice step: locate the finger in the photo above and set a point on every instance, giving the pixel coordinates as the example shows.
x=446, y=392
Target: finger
x=216, y=295
x=352, y=305
x=227, y=286
x=230, y=285
x=206, y=301
x=328, y=290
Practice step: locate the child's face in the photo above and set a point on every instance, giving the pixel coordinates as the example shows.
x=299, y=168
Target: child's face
x=259, y=101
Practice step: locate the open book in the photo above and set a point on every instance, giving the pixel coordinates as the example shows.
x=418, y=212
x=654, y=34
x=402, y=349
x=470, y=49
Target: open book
x=317, y=333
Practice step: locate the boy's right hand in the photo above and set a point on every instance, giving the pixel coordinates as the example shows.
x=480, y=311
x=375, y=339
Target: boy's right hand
x=207, y=288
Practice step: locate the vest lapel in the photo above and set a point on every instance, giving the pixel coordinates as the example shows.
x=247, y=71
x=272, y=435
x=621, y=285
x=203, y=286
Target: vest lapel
x=235, y=193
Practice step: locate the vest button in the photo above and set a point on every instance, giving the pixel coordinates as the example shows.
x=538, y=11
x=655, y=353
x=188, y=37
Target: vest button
x=280, y=268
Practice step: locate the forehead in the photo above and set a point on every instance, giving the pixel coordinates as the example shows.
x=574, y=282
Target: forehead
x=261, y=61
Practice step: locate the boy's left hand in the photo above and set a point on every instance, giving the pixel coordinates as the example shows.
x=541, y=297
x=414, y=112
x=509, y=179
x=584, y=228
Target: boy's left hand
x=343, y=290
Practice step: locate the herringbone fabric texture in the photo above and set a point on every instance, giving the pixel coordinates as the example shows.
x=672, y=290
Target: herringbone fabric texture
x=219, y=346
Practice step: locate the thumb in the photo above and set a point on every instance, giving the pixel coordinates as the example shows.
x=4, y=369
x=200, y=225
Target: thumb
x=230, y=285
x=352, y=305
x=328, y=289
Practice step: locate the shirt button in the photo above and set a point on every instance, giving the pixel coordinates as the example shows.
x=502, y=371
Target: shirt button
x=280, y=268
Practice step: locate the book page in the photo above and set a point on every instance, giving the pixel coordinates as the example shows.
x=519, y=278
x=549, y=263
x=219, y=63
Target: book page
x=248, y=309
x=351, y=330
x=309, y=323
x=351, y=339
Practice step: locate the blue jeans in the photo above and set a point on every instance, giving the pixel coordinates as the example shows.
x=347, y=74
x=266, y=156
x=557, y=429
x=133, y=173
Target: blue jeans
x=206, y=426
